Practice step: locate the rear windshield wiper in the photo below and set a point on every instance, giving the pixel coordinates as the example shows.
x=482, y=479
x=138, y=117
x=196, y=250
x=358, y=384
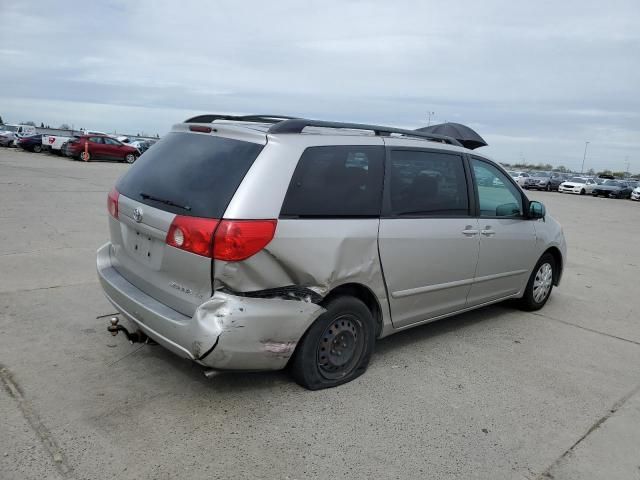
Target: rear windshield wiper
x=146, y=196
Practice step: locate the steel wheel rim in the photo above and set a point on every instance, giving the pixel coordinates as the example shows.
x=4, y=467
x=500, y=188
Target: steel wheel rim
x=542, y=282
x=340, y=347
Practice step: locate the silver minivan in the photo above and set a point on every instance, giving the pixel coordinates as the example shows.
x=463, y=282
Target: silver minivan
x=262, y=242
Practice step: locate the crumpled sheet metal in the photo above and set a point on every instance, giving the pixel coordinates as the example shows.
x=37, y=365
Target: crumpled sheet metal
x=250, y=333
x=315, y=254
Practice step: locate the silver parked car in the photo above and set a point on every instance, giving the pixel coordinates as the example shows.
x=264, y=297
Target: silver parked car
x=256, y=243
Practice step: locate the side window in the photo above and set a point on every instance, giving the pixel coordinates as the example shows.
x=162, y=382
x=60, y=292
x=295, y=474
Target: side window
x=336, y=181
x=111, y=141
x=499, y=197
x=427, y=183
x=95, y=139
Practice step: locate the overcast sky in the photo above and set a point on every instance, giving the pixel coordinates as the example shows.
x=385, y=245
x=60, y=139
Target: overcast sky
x=535, y=79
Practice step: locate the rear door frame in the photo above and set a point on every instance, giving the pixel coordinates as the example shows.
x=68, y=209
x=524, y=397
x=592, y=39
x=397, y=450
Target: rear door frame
x=387, y=214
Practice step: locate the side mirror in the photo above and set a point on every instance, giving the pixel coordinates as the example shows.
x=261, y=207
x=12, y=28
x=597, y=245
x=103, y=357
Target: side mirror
x=536, y=210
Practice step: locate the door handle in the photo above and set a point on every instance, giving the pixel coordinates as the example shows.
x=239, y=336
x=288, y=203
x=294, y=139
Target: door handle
x=488, y=232
x=469, y=231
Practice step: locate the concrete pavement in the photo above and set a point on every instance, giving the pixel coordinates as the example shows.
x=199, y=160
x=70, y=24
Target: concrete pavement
x=496, y=393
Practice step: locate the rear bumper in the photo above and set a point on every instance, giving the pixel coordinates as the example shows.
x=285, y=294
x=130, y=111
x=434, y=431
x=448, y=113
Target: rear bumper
x=227, y=332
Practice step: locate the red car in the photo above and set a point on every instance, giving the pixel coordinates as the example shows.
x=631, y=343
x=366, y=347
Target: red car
x=101, y=147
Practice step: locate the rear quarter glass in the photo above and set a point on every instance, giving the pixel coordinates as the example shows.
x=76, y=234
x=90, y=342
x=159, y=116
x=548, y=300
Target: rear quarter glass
x=196, y=171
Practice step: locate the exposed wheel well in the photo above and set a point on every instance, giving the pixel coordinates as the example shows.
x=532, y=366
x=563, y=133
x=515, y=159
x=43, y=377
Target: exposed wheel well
x=364, y=294
x=557, y=256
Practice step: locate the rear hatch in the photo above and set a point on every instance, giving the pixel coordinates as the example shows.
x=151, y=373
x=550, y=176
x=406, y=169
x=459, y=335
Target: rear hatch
x=188, y=177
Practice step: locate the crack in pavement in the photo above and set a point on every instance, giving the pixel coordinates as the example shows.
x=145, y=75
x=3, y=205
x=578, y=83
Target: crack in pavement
x=41, y=431
x=546, y=474
x=27, y=290
x=585, y=328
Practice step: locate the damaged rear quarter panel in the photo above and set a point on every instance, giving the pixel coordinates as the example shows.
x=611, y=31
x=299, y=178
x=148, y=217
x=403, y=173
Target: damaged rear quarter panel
x=317, y=254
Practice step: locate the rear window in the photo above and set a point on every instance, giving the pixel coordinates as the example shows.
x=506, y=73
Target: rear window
x=336, y=181
x=189, y=174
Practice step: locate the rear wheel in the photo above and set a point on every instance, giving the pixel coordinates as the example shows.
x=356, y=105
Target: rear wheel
x=85, y=156
x=37, y=148
x=540, y=284
x=337, y=347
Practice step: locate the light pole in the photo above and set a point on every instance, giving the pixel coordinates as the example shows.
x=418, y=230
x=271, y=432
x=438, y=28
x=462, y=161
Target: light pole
x=430, y=114
x=586, y=144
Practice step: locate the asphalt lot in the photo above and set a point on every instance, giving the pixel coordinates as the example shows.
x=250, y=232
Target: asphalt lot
x=496, y=393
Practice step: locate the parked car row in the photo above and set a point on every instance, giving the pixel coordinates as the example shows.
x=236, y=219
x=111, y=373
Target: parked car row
x=577, y=184
x=91, y=145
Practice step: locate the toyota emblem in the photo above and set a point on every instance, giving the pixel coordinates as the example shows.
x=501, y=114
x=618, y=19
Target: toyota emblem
x=137, y=214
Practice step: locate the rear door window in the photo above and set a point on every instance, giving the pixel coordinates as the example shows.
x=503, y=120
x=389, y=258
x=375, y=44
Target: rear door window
x=426, y=183
x=190, y=174
x=336, y=181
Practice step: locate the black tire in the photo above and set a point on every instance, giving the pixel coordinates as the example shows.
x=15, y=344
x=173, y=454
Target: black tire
x=582, y=192
x=347, y=327
x=548, y=189
x=84, y=156
x=37, y=148
x=530, y=301
x=130, y=158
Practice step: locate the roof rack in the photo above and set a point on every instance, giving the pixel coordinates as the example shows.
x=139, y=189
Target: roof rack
x=297, y=125
x=284, y=124
x=238, y=118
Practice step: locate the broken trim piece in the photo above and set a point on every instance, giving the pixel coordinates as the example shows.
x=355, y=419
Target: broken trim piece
x=290, y=292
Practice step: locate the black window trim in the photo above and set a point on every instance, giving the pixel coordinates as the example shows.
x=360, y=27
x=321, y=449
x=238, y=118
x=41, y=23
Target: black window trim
x=285, y=216
x=387, y=211
x=525, y=200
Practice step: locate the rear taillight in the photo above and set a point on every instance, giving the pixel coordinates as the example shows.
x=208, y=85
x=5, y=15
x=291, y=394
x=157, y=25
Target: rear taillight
x=228, y=240
x=237, y=240
x=112, y=202
x=192, y=234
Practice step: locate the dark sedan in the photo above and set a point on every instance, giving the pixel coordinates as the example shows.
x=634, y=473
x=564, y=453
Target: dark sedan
x=32, y=143
x=613, y=189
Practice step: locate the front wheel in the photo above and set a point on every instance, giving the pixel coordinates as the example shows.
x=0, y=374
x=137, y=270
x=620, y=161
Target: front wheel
x=582, y=192
x=130, y=158
x=337, y=347
x=540, y=284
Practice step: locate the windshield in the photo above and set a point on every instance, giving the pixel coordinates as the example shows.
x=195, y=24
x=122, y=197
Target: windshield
x=8, y=128
x=612, y=183
x=577, y=180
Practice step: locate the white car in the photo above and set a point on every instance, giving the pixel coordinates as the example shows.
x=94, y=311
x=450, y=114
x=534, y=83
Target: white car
x=522, y=178
x=635, y=195
x=578, y=185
